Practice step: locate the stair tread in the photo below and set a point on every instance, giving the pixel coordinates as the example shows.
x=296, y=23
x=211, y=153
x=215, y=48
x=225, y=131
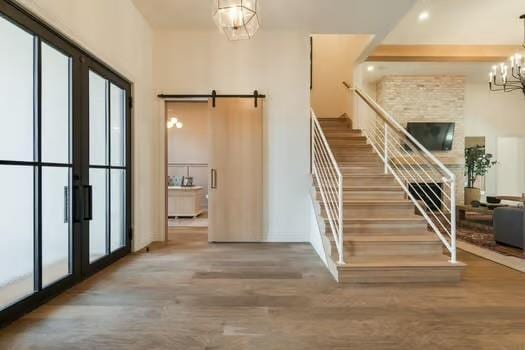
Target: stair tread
x=363, y=145
x=340, y=118
x=377, y=201
x=373, y=188
x=414, y=261
x=333, y=132
x=388, y=176
x=414, y=218
x=422, y=237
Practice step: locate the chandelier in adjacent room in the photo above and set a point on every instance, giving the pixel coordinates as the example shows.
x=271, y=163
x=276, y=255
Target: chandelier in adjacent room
x=510, y=77
x=237, y=19
x=173, y=121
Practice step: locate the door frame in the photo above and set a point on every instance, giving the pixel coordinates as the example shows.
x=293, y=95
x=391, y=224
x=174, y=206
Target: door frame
x=88, y=65
x=164, y=100
x=43, y=32
x=164, y=183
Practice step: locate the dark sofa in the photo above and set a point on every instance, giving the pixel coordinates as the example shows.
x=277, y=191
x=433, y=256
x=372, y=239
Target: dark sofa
x=509, y=226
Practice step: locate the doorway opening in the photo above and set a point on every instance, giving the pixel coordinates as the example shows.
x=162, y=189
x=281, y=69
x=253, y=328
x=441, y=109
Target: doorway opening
x=214, y=167
x=187, y=158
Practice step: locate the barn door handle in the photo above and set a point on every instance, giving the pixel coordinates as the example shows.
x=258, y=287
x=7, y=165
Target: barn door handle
x=213, y=178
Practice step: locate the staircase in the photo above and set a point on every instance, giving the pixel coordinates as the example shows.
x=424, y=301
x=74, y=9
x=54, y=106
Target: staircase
x=383, y=239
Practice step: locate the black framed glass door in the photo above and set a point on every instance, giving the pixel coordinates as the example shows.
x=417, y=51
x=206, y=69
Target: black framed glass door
x=105, y=167
x=65, y=175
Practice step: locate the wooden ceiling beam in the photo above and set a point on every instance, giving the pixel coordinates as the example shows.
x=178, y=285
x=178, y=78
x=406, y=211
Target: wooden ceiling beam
x=443, y=53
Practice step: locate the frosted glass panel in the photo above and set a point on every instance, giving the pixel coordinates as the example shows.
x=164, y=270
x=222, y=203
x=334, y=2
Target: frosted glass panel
x=97, y=226
x=118, y=126
x=56, y=216
x=55, y=105
x=98, y=154
x=117, y=208
x=16, y=233
x=16, y=93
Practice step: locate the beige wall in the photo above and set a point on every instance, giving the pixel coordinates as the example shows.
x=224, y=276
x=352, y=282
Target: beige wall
x=275, y=63
x=115, y=32
x=334, y=60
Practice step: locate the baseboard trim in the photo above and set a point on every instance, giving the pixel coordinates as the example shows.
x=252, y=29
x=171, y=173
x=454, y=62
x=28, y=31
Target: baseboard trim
x=286, y=238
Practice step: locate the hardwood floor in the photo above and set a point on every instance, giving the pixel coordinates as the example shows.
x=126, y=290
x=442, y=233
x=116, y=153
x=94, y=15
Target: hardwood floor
x=186, y=294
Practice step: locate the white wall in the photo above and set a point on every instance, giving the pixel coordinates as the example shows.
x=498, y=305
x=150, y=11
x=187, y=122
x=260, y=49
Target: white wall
x=493, y=115
x=275, y=63
x=116, y=32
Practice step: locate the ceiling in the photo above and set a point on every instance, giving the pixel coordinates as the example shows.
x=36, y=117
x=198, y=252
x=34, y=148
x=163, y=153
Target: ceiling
x=311, y=16
x=474, y=72
x=482, y=22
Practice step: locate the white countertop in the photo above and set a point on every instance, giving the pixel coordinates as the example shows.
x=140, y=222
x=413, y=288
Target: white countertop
x=192, y=188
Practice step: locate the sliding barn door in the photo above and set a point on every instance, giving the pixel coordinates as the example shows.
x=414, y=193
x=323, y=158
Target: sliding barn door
x=235, y=196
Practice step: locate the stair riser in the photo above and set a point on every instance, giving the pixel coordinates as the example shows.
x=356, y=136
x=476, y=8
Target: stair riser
x=359, y=249
x=377, y=195
x=363, y=211
x=371, y=195
x=372, y=212
x=335, y=124
x=341, y=135
x=357, y=159
x=337, y=127
x=370, y=181
x=353, y=152
x=349, y=142
x=362, y=169
x=385, y=228
x=343, y=147
x=401, y=275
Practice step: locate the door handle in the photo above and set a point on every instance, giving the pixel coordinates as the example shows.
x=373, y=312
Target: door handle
x=88, y=202
x=66, y=204
x=213, y=178
x=76, y=205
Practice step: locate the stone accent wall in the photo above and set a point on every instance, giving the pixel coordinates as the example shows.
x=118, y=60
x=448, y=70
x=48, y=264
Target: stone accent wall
x=430, y=99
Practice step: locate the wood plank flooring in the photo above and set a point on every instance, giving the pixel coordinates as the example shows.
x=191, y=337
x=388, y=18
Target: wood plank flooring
x=187, y=294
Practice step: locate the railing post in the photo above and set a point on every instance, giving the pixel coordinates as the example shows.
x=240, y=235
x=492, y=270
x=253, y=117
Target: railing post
x=340, y=223
x=312, y=135
x=453, y=257
x=386, y=148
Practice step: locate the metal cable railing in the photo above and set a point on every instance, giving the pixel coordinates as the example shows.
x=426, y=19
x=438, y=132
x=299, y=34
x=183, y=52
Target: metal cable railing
x=329, y=181
x=426, y=181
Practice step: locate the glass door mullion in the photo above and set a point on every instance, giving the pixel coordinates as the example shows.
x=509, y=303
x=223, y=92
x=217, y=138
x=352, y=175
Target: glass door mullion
x=108, y=193
x=38, y=158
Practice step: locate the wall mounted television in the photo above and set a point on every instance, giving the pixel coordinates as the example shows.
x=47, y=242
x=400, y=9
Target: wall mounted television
x=433, y=136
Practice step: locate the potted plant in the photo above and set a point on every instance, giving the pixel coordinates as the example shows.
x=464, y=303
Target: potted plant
x=477, y=163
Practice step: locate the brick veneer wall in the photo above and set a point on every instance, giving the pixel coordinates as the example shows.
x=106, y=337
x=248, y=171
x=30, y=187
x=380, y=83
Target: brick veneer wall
x=430, y=99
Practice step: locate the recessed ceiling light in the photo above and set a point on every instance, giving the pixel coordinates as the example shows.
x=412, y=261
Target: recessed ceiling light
x=423, y=16
x=370, y=68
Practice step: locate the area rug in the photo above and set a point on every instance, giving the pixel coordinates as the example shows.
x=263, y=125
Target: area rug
x=485, y=239
x=477, y=230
